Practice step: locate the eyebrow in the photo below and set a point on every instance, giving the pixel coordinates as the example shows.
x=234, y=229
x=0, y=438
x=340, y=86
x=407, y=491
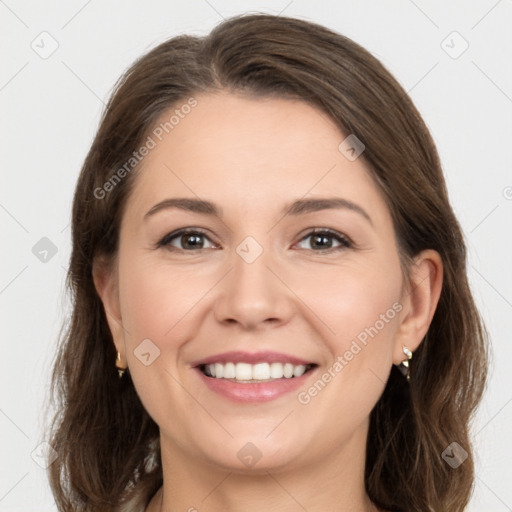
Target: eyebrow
x=302, y=206
x=298, y=207
x=185, y=203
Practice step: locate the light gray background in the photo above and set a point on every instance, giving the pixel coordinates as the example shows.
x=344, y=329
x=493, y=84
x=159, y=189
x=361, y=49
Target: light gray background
x=51, y=109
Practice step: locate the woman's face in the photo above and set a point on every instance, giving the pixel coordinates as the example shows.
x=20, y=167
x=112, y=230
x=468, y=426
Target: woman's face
x=253, y=284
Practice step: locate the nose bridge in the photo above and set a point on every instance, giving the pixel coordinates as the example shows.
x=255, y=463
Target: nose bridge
x=251, y=293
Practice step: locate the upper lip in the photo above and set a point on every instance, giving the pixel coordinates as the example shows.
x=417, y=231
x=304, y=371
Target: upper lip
x=251, y=358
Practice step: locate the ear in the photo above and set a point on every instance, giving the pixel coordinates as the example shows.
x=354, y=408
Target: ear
x=106, y=282
x=419, y=301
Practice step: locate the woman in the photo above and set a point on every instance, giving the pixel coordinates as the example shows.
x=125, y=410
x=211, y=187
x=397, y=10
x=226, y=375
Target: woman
x=262, y=238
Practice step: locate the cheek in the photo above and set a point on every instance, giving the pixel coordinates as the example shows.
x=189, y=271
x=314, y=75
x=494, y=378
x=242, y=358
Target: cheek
x=361, y=307
x=356, y=300
x=158, y=308
x=156, y=299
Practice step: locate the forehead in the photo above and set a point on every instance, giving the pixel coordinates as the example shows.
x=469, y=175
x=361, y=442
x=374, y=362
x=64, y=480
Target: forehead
x=247, y=151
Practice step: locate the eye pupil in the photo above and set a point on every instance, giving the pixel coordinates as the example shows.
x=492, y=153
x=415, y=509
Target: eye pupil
x=322, y=241
x=186, y=238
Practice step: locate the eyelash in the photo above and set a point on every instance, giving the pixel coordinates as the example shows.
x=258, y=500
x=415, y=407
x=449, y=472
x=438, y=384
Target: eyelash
x=345, y=242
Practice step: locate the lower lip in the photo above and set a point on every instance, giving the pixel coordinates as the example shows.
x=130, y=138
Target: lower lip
x=254, y=392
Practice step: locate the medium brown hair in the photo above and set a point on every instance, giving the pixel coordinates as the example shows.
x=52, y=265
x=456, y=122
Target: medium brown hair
x=107, y=445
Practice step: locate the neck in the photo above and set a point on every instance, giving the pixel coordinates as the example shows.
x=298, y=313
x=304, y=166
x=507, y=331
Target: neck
x=332, y=482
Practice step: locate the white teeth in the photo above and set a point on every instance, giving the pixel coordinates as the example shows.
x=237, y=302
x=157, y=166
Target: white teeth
x=299, y=370
x=261, y=371
x=288, y=370
x=229, y=371
x=276, y=370
x=243, y=371
x=255, y=372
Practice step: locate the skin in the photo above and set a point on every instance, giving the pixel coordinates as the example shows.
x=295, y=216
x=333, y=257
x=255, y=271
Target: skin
x=252, y=157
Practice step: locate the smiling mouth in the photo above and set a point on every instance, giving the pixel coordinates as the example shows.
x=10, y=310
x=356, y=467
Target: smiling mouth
x=254, y=373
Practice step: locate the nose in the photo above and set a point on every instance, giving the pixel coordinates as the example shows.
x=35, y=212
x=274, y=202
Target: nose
x=253, y=295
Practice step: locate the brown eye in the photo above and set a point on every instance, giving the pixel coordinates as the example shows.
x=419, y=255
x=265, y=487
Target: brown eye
x=185, y=240
x=326, y=240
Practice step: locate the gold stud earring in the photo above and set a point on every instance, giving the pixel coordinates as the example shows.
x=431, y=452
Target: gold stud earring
x=404, y=365
x=120, y=369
